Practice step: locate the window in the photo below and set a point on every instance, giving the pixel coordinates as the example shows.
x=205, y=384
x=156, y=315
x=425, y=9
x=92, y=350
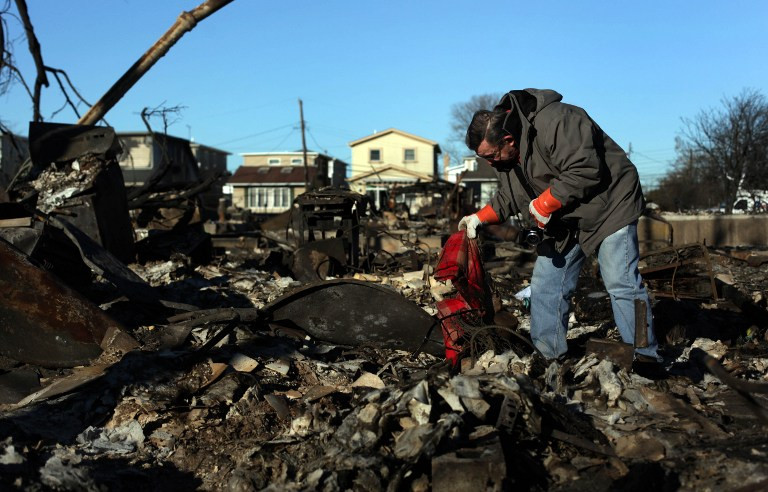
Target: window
x=297, y=161
x=409, y=155
x=267, y=199
x=273, y=161
x=286, y=170
x=255, y=198
x=375, y=155
x=287, y=197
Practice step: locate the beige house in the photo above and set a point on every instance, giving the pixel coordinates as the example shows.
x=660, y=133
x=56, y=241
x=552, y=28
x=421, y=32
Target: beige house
x=211, y=162
x=267, y=182
x=389, y=159
x=146, y=155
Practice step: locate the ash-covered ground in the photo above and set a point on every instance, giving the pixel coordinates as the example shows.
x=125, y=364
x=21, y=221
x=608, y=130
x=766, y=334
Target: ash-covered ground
x=242, y=405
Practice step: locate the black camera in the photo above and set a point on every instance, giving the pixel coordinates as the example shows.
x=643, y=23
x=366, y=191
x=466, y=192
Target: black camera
x=531, y=237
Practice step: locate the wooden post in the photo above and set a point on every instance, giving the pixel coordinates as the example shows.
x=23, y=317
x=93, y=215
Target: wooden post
x=304, y=148
x=641, y=324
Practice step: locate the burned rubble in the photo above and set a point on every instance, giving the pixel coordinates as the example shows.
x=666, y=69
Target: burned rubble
x=338, y=350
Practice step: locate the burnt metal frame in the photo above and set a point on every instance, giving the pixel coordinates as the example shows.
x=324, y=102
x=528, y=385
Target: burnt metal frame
x=680, y=262
x=318, y=214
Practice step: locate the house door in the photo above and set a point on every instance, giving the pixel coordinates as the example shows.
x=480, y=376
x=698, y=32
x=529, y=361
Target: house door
x=378, y=196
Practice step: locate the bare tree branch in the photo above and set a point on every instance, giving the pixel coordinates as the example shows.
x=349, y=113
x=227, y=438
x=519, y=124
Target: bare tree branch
x=63, y=106
x=165, y=161
x=9, y=72
x=20, y=78
x=2, y=42
x=6, y=56
x=461, y=117
x=164, y=113
x=34, y=49
x=461, y=113
x=57, y=74
x=729, y=145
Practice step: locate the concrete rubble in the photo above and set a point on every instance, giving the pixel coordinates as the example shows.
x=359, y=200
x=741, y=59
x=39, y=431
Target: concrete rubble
x=245, y=369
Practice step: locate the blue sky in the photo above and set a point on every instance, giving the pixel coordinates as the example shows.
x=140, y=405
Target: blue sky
x=636, y=67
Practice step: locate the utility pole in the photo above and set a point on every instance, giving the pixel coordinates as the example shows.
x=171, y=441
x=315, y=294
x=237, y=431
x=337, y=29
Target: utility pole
x=304, y=147
x=629, y=151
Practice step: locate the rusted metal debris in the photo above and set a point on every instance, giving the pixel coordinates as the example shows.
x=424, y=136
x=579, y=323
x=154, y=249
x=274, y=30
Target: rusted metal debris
x=44, y=322
x=619, y=353
x=481, y=468
x=319, y=259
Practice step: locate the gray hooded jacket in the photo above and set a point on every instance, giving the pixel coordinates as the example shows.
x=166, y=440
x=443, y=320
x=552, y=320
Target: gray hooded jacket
x=563, y=149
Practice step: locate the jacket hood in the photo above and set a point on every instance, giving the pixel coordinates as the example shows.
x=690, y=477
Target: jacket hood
x=529, y=101
x=524, y=105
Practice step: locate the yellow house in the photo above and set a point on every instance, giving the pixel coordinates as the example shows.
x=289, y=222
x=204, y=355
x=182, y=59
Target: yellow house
x=388, y=159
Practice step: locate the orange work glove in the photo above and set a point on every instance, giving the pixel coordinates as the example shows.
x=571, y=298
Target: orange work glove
x=541, y=208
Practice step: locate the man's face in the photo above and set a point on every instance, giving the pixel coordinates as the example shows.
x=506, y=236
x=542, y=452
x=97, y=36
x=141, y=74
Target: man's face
x=501, y=157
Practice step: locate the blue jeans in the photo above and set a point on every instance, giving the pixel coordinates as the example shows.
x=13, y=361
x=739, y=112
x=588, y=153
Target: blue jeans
x=554, y=280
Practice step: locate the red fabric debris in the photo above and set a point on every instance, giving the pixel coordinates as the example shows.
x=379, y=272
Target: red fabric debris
x=461, y=263
x=448, y=311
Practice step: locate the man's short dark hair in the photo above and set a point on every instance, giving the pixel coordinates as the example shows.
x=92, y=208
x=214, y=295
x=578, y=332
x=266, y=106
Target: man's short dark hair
x=486, y=125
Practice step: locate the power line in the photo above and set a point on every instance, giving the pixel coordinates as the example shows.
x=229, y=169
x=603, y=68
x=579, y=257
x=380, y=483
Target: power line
x=283, y=140
x=241, y=109
x=254, y=134
x=338, y=131
x=260, y=144
x=670, y=149
x=319, y=147
x=649, y=158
